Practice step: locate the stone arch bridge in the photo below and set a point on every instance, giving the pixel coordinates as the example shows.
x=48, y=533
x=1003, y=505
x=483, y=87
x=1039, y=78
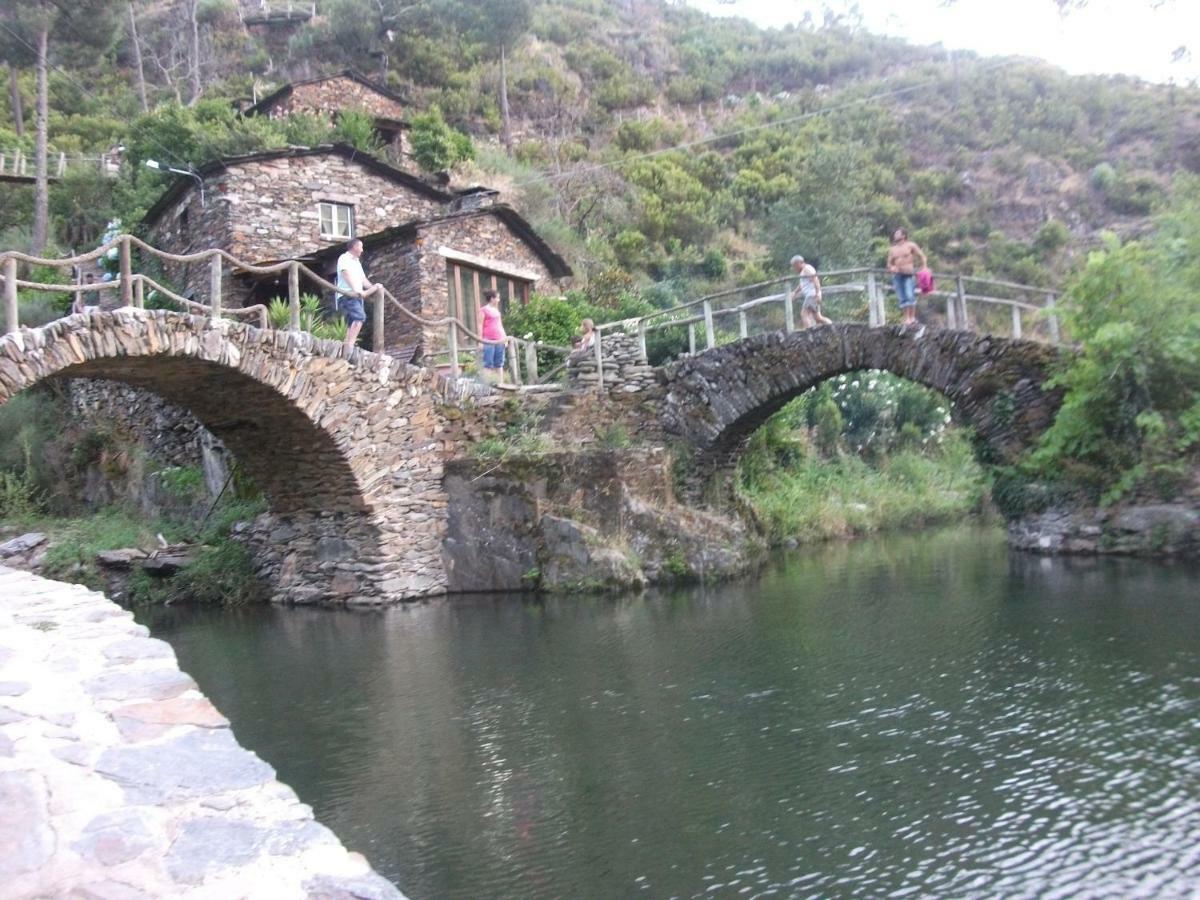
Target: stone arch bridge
x=716, y=399
x=349, y=447
x=346, y=445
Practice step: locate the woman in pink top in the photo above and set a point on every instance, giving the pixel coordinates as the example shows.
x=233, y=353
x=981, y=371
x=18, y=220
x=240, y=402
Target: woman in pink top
x=493, y=335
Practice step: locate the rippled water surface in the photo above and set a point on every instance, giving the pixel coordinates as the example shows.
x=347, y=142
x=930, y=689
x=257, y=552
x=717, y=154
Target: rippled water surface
x=907, y=716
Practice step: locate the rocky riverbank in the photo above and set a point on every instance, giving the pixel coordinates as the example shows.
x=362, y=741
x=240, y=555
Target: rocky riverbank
x=1162, y=529
x=118, y=778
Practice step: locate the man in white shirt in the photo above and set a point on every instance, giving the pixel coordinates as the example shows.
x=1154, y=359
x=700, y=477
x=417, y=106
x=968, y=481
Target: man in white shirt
x=351, y=277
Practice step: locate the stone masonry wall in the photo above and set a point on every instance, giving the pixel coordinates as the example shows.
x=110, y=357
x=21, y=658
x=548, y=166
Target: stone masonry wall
x=331, y=95
x=207, y=225
x=266, y=210
x=273, y=203
x=604, y=519
x=625, y=368
x=416, y=273
x=169, y=435
x=120, y=779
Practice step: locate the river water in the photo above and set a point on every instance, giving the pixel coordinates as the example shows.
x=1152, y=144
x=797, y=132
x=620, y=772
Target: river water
x=909, y=716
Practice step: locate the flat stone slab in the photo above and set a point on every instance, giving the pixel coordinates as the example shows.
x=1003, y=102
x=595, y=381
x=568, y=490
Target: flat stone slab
x=119, y=779
x=22, y=544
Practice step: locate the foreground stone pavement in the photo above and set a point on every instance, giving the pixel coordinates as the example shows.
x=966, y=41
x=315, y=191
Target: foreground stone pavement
x=120, y=780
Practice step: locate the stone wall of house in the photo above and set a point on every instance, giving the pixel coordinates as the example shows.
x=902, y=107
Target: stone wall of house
x=190, y=226
x=266, y=210
x=273, y=203
x=332, y=95
x=416, y=273
x=396, y=267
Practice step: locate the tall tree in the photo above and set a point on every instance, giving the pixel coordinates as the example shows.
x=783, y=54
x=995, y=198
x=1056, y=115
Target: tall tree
x=14, y=99
x=34, y=28
x=41, y=187
x=192, y=10
x=137, y=59
x=505, y=120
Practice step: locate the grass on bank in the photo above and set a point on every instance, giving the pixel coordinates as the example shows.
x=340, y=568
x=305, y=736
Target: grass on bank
x=221, y=572
x=818, y=498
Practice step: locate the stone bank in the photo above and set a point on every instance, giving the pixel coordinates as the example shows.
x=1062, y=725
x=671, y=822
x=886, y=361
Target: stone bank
x=119, y=779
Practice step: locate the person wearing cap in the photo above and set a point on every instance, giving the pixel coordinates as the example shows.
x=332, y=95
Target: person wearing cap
x=808, y=287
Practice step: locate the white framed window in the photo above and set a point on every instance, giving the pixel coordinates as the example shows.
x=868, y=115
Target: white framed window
x=337, y=220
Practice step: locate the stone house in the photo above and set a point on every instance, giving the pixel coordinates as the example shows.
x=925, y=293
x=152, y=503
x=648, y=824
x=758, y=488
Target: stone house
x=436, y=251
x=328, y=95
x=441, y=265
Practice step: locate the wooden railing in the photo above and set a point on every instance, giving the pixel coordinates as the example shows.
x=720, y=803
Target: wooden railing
x=131, y=289
x=18, y=164
x=853, y=295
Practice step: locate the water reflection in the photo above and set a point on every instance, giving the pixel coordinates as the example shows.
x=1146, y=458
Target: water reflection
x=903, y=716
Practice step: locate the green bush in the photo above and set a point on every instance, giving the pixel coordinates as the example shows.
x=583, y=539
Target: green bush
x=1131, y=409
x=437, y=146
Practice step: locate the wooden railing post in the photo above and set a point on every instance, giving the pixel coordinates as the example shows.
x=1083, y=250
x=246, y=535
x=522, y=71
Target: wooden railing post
x=1016, y=321
x=743, y=325
x=215, y=271
x=642, y=341
x=951, y=312
x=139, y=292
x=872, y=304
x=377, y=315
x=514, y=364
x=1052, y=319
x=126, y=263
x=452, y=347
x=12, y=308
x=710, y=334
x=789, y=316
x=691, y=338
x=531, y=362
x=964, y=321
x=599, y=360
x=294, y=296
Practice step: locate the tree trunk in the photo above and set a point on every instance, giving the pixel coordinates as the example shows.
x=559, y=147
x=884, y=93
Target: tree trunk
x=137, y=59
x=14, y=96
x=41, y=186
x=506, y=122
x=193, y=50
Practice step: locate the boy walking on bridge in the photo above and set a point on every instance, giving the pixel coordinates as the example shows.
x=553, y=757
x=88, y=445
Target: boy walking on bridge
x=809, y=288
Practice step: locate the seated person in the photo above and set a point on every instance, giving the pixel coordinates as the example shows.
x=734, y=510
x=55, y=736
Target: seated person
x=586, y=338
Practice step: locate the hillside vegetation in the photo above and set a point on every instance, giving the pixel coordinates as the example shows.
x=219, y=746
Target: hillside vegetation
x=817, y=141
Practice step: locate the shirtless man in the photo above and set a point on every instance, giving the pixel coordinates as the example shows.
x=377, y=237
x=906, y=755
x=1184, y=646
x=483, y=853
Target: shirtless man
x=901, y=263
x=808, y=287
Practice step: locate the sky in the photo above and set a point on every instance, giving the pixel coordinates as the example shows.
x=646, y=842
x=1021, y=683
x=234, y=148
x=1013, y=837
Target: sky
x=1132, y=37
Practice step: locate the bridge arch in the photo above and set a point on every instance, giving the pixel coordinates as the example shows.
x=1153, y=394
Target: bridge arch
x=343, y=443
x=716, y=399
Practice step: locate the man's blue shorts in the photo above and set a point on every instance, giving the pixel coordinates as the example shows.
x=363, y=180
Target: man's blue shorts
x=351, y=308
x=493, y=356
x=906, y=289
